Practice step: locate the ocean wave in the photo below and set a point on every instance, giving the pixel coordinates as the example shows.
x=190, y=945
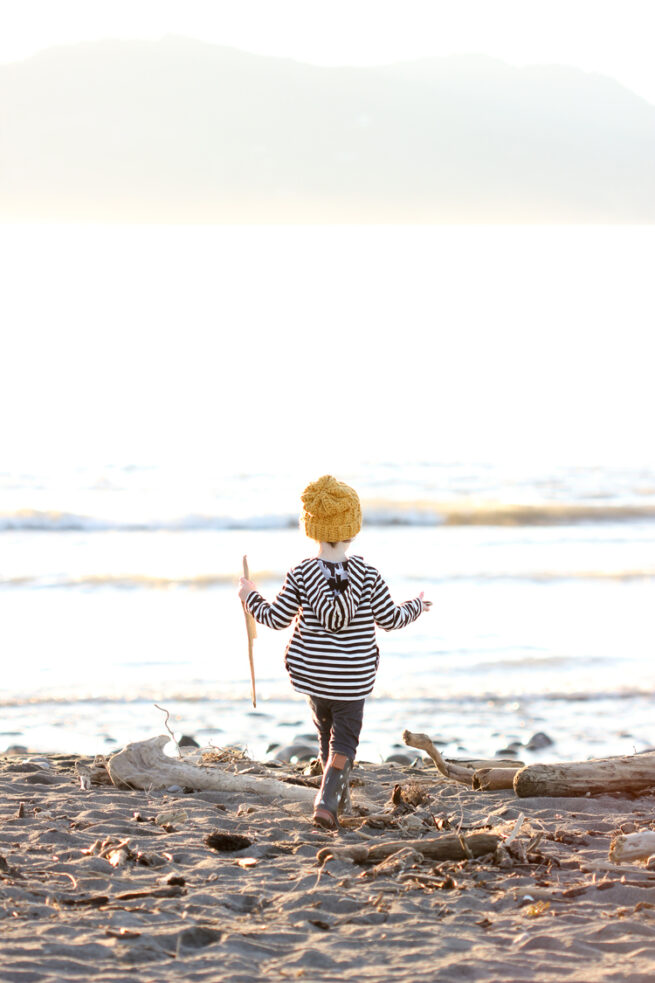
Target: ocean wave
x=504, y=514
x=35, y=520
x=504, y=701
x=124, y=581
x=548, y=576
x=209, y=581
x=376, y=514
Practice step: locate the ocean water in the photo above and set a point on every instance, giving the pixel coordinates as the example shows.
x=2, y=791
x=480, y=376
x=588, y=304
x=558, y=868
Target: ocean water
x=541, y=617
x=170, y=392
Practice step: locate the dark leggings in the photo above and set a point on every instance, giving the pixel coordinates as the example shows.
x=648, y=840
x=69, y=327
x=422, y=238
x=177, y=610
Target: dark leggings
x=339, y=724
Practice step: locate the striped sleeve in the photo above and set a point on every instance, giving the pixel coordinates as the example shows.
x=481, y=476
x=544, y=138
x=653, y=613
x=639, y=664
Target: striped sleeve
x=389, y=615
x=281, y=612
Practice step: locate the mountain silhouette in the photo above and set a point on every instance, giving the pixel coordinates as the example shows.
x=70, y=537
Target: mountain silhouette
x=178, y=130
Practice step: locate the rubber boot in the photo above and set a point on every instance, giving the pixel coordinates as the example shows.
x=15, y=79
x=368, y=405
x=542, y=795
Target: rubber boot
x=333, y=791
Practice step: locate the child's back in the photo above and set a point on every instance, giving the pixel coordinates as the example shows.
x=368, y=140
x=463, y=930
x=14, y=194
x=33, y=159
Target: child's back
x=333, y=656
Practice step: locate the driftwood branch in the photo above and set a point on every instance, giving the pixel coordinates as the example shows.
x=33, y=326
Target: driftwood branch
x=143, y=764
x=450, y=846
x=486, y=775
x=457, y=773
x=630, y=773
x=633, y=846
x=633, y=773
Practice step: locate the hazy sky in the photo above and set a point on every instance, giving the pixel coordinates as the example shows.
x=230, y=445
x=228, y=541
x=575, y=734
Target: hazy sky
x=133, y=345
x=336, y=343
x=613, y=37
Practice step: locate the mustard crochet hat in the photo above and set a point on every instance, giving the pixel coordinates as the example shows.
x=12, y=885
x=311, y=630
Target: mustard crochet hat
x=332, y=512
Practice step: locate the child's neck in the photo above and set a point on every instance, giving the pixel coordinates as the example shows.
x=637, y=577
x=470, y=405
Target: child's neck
x=333, y=554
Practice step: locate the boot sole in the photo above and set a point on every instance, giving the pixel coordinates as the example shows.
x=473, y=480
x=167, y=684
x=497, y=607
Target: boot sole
x=325, y=819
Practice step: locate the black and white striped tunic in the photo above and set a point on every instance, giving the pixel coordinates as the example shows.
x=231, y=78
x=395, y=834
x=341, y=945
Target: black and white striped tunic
x=333, y=651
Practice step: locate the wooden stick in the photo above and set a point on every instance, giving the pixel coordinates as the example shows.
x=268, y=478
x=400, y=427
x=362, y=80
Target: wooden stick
x=515, y=832
x=446, y=847
x=252, y=634
x=605, y=866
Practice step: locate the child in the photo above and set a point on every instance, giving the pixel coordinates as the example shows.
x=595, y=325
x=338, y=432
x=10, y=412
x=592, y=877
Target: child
x=332, y=656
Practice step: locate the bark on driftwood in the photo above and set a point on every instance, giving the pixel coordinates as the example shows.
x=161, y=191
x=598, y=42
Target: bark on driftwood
x=494, y=779
x=143, y=764
x=450, y=846
x=631, y=773
x=633, y=846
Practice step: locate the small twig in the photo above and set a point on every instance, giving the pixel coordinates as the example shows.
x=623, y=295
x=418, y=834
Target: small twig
x=164, y=710
x=515, y=832
x=321, y=869
x=55, y=873
x=534, y=842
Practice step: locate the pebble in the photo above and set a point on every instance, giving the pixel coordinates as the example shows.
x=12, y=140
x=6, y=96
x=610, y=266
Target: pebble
x=400, y=759
x=172, y=878
x=187, y=741
x=538, y=741
x=171, y=816
x=296, y=753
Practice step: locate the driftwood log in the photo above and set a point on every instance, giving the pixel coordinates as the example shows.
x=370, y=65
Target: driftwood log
x=486, y=775
x=633, y=846
x=629, y=773
x=144, y=765
x=450, y=846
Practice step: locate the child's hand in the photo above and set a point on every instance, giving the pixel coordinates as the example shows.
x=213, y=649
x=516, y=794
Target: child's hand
x=245, y=586
x=426, y=604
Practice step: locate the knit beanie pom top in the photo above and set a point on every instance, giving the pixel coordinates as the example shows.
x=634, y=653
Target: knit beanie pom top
x=332, y=512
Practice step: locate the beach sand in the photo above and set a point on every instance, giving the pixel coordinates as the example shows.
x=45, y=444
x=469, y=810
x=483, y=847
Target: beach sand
x=174, y=907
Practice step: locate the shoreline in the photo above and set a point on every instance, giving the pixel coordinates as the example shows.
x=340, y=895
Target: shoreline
x=553, y=909
x=579, y=726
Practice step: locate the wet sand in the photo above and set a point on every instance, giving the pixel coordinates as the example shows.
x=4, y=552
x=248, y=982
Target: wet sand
x=101, y=883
